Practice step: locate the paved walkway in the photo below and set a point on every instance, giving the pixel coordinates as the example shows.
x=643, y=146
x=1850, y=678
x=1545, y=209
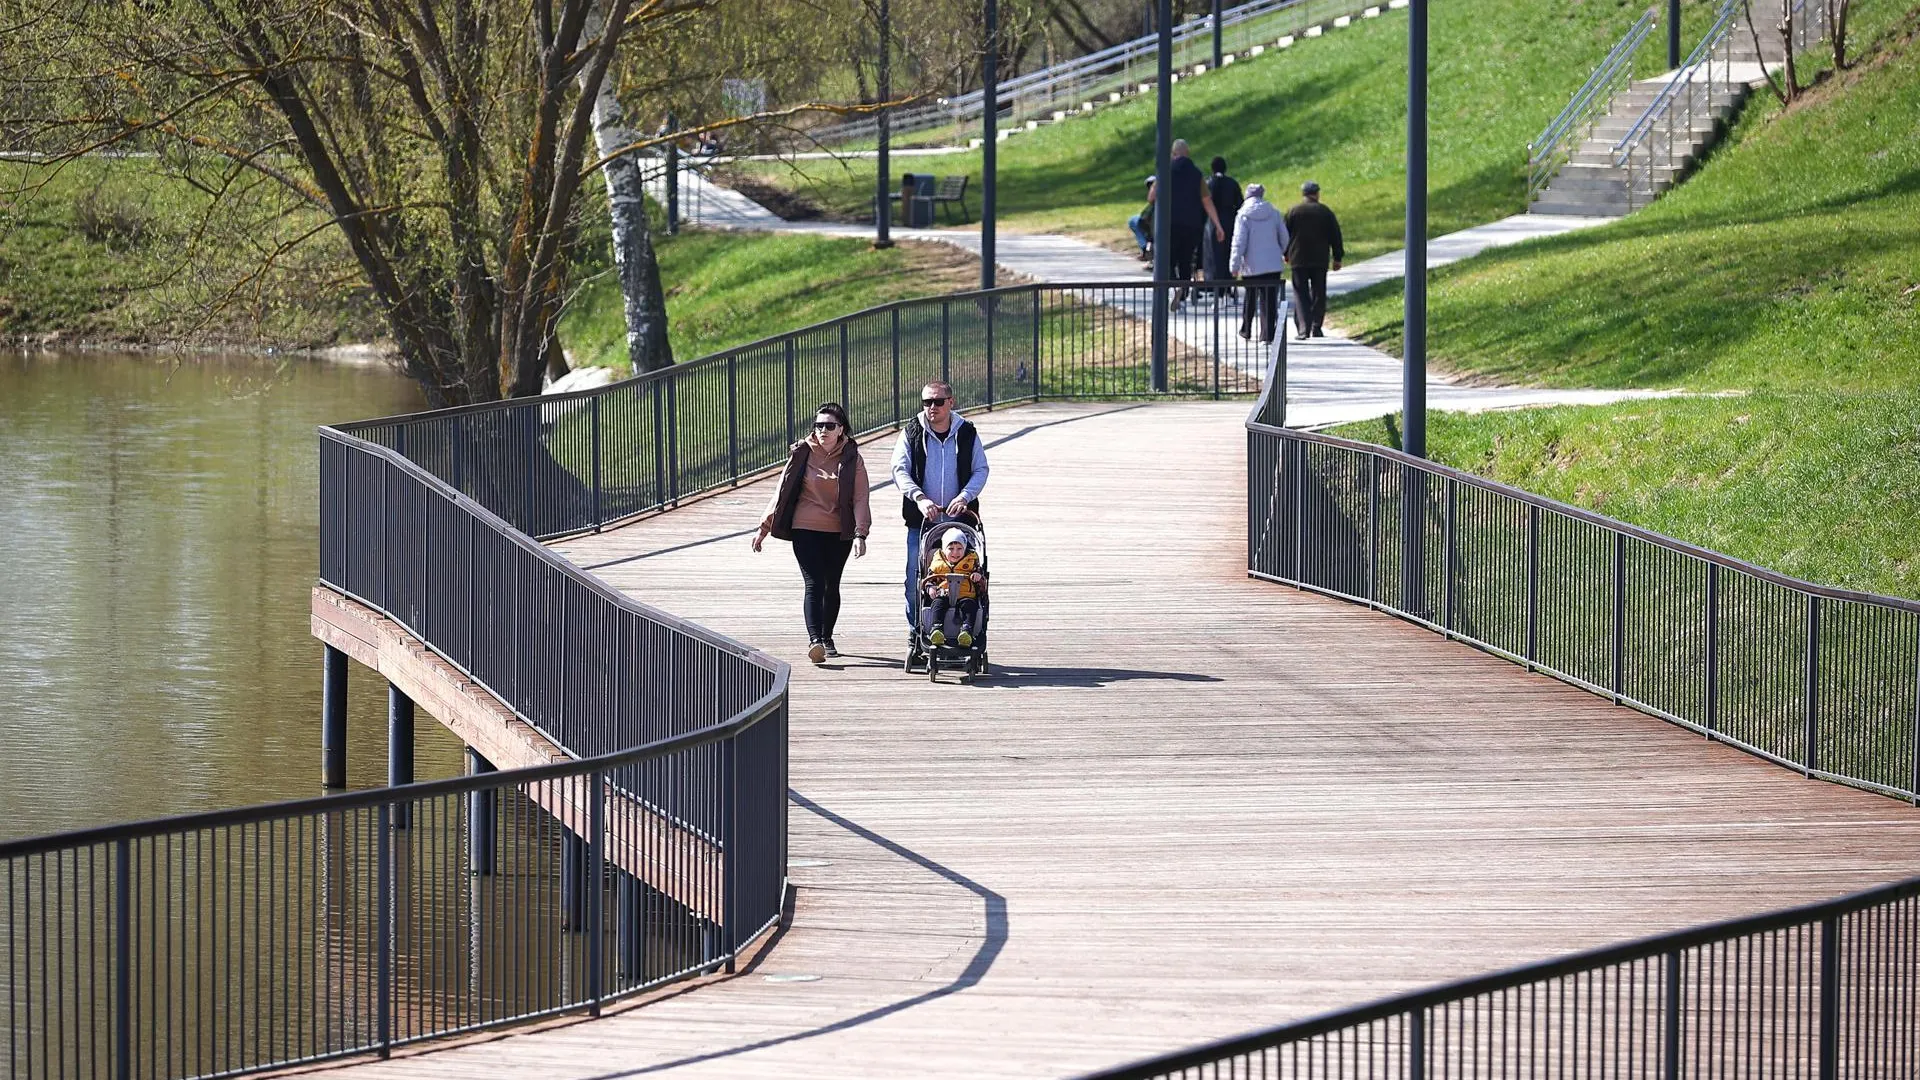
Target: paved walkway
x=1186, y=805
x=1329, y=380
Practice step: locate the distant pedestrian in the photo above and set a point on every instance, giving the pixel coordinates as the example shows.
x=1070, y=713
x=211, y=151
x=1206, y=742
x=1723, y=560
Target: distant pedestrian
x=1260, y=258
x=1190, y=208
x=1141, y=225
x=821, y=506
x=1316, y=244
x=1224, y=190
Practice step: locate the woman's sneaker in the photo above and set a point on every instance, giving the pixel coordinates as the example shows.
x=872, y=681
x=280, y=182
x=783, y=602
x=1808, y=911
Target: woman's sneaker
x=831, y=651
x=938, y=637
x=965, y=639
x=817, y=652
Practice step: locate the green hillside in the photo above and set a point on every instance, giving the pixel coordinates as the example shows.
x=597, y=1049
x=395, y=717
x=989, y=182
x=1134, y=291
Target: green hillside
x=1786, y=274
x=1331, y=109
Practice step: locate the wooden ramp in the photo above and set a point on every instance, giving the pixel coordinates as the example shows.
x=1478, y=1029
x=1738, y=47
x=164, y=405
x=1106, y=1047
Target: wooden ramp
x=1189, y=804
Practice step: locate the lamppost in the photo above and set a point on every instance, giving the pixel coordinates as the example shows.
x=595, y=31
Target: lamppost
x=1216, y=35
x=990, y=102
x=883, y=180
x=1413, y=391
x=1673, y=34
x=1162, y=192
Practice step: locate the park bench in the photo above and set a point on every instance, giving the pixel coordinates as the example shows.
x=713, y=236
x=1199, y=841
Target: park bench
x=948, y=191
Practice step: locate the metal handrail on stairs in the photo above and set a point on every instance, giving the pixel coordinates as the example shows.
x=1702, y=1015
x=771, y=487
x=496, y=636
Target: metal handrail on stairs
x=1665, y=112
x=1553, y=147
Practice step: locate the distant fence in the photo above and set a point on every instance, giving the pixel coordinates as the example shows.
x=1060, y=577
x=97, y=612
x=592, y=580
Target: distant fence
x=1065, y=85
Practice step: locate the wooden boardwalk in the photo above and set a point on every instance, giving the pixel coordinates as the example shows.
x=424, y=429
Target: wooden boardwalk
x=1189, y=804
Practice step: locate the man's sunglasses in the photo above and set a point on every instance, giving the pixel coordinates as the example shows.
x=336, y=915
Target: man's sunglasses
x=825, y=425
x=932, y=401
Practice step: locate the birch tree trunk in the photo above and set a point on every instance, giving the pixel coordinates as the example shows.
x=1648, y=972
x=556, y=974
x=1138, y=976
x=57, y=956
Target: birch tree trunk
x=644, y=301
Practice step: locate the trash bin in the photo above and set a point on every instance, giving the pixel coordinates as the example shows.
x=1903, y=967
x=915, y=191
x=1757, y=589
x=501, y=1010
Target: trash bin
x=916, y=201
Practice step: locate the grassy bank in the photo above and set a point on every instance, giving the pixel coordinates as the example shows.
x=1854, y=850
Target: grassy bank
x=111, y=251
x=1786, y=271
x=726, y=289
x=1332, y=109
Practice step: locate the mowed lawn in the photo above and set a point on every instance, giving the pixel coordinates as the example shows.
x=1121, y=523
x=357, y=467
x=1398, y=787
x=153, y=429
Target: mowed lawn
x=1330, y=109
x=1782, y=280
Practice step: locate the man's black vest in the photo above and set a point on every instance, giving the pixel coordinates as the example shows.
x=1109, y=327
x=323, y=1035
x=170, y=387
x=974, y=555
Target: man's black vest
x=917, y=465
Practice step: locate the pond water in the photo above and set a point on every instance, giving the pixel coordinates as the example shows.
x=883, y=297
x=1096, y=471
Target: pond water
x=160, y=529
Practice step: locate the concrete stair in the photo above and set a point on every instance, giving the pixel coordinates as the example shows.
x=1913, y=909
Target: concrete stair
x=1591, y=184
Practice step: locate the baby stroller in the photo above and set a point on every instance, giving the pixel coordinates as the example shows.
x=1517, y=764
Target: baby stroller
x=969, y=659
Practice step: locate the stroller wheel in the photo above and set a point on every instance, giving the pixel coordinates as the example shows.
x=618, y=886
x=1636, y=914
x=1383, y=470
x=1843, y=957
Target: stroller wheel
x=933, y=669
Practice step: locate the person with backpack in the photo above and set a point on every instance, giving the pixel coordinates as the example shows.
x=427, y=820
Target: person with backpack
x=940, y=467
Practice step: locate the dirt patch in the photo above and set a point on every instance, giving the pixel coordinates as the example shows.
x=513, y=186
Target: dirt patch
x=943, y=268
x=786, y=204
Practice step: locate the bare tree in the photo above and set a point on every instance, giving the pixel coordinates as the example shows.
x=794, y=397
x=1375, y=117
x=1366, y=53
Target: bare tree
x=1787, y=88
x=1837, y=11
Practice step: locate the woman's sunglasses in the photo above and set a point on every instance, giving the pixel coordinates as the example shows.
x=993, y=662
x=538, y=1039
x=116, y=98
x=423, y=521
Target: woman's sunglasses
x=826, y=425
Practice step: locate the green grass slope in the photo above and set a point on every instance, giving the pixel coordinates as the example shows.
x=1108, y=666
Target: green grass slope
x=726, y=289
x=1331, y=109
x=1785, y=273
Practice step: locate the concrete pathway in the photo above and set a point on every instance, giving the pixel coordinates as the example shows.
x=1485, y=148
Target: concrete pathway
x=1329, y=380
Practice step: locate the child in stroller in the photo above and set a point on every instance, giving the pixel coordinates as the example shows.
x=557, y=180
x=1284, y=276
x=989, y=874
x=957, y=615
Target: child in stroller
x=952, y=578
x=951, y=623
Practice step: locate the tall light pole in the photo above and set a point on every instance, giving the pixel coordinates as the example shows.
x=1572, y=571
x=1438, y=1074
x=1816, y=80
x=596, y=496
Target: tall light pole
x=990, y=165
x=1162, y=191
x=883, y=180
x=1413, y=392
x=1216, y=35
x=1673, y=34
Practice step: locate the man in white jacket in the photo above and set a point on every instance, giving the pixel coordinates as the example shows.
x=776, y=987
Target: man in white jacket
x=1259, y=259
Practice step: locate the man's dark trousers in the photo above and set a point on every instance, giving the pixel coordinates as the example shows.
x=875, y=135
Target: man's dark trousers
x=1309, y=298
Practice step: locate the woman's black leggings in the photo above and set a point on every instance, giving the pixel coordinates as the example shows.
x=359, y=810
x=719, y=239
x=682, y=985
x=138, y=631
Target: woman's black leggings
x=822, y=557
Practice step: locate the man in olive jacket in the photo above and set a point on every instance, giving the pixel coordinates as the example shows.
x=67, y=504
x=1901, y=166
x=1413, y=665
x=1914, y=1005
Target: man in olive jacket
x=1315, y=243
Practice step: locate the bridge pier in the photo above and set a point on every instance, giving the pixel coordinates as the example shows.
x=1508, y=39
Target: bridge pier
x=333, y=718
x=481, y=822
x=399, y=748
x=575, y=868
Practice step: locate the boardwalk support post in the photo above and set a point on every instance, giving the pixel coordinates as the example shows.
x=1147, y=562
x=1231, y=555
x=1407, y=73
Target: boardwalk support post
x=1417, y=1044
x=1713, y=648
x=481, y=819
x=383, y=930
x=1813, y=686
x=399, y=748
x=123, y=959
x=1829, y=999
x=333, y=718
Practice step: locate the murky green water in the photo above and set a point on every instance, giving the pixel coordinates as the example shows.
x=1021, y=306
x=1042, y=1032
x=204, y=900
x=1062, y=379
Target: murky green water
x=160, y=523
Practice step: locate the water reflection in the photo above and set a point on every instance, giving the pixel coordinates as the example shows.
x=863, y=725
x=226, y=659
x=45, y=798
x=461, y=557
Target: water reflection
x=161, y=531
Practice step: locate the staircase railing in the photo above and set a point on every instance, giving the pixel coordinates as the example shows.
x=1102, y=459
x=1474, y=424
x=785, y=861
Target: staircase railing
x=1649, y=143
x=1108, y=69
x=1554, y=145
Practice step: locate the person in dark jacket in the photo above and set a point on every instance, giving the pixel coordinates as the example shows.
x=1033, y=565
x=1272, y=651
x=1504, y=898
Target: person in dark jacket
x=1190, y=206
x=1225, y=192
x=1315, y=245
x=821, y=506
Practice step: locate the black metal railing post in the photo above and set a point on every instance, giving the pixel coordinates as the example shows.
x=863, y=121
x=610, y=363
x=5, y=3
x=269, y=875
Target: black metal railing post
x=659, y=446
x=894, y=337
x=596, y=874
x=1713, y=648
x=993, y=316
x=1533, y=584
x=1417, y=1044
x=846, y=382
x=383, y=929
x=594, y=425
x=790, y=389
x=1812, y=758
x=1670, y=1019
x=1373, y=524
x=1619, y=647
x=673, y=439
x=730, y=849
x=456, y=457
x=1829, y=998
x=1448, y=555
x=946, y=342
x=122, y=959
x=1913, y=741
x=733, y=421
x=532, y=413
x=1037, y=293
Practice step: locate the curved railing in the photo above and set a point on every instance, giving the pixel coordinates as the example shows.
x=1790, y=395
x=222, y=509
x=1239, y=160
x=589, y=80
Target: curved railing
x=229, y=942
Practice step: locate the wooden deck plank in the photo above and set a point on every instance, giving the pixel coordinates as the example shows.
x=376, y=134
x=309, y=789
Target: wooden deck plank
x=1192, y=804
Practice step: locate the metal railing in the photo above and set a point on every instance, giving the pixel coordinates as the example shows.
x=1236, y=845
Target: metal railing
x=1118, y=68
x=568, y=463
x=1823, y=681
x=1820, y=992
x=1555, y=144
x=1666, y=132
